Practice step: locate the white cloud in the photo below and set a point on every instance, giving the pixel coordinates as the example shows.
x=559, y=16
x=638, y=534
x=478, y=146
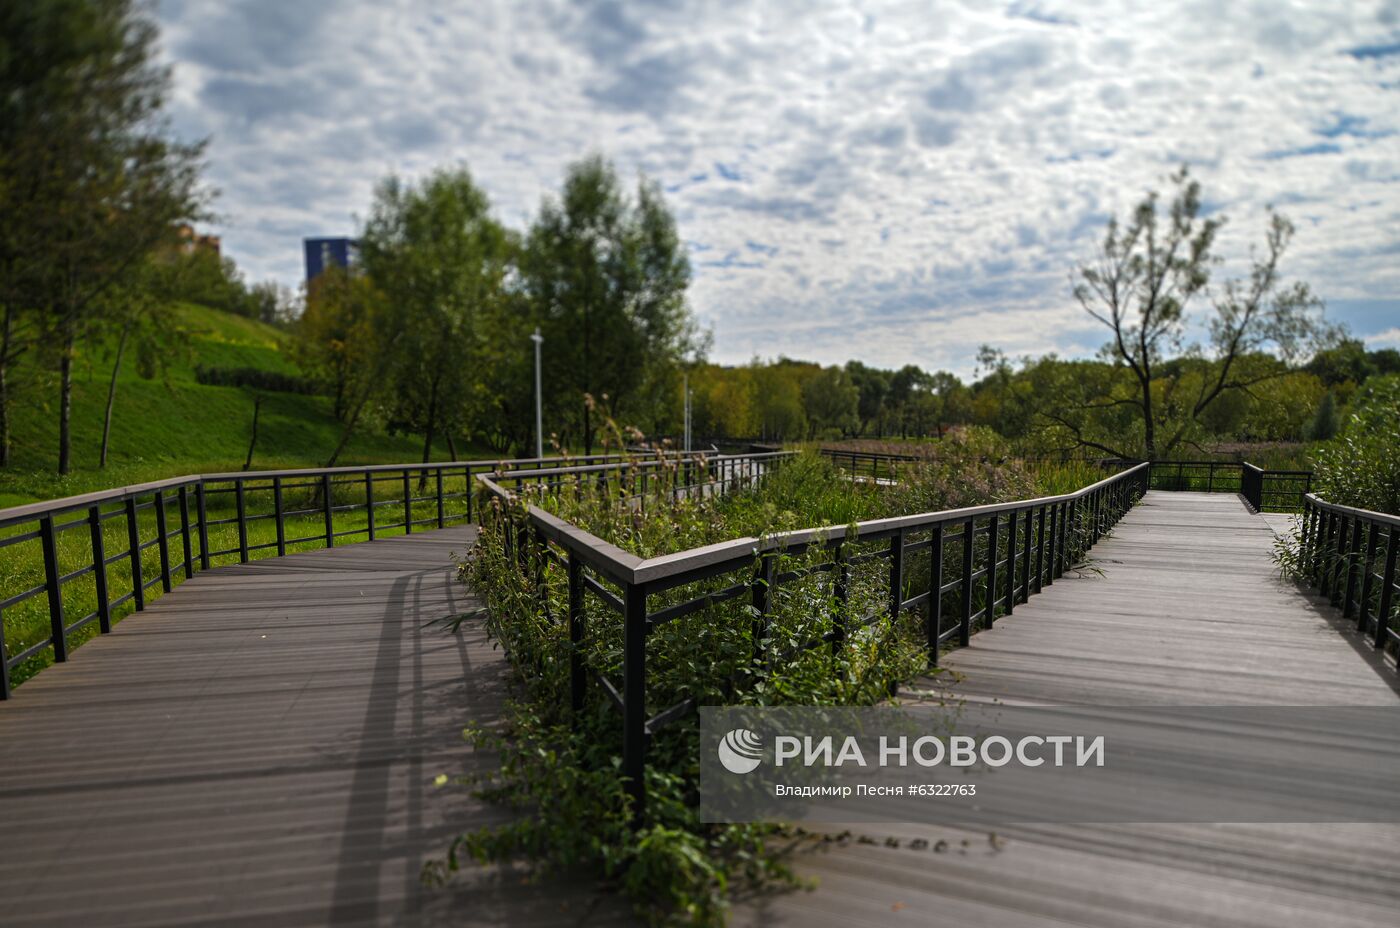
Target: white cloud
x=1390, y=338
x=918, y=179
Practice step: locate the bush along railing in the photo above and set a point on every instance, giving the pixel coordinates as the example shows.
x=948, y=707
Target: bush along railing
x=1348, y=555
x=728, y=622
x=74, y=566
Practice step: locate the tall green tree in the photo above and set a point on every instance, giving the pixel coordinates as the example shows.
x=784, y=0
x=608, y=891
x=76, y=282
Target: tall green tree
x=606, y=276
x=832, y=403
x=90, y=181
x=441, y=260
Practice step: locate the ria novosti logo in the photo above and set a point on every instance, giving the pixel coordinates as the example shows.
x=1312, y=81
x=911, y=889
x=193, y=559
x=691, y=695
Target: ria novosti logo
x=740, y=751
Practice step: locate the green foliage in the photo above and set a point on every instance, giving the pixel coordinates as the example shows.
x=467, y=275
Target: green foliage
x=561, y=771
x=831, y=402
x=90, y=184
x=1360, y=467
x=605, y=277
x=441, y=261
x=1140, y=284
x=1324, y=424
x=256, y=378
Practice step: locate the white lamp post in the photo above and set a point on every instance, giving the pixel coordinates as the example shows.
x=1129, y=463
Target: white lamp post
x=538, y=339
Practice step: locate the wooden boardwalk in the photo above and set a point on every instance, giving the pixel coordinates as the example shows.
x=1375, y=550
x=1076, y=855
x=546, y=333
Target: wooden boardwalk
x=260, y=748
x=1188, y=610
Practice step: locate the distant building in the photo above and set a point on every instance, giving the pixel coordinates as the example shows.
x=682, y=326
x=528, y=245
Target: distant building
x=322, y=253
x=191, y=241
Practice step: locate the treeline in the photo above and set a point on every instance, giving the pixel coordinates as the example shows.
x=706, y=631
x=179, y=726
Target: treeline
x=1047, y=405
x=1055, y=406
x=430, y=333
x=788, y=400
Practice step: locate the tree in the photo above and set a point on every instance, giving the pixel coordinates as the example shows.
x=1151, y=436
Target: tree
x=1323, y=426
x=89, y=184
x=139, y=313
x=441, y=262
x=873, y=386
x=606, y=278
x=1140, y=284
x=954, y=402
x=831, y=402
x=778, y=400
x=346, y=340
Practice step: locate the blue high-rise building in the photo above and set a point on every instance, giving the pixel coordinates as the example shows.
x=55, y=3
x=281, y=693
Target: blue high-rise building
x=322, y=253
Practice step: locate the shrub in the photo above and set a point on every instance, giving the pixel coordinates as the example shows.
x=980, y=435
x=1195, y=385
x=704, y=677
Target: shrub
x=560, y=771
x=1360, y=467
x=256, y=378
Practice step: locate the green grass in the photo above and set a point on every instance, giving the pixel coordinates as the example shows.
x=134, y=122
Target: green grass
x=172, y=425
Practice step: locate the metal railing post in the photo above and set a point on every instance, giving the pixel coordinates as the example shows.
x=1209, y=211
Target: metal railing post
x=53, y=587
x=1040, y=548
x=277, y=516
x=634, y=735
x=186, y=548
x=328, y=510
x=1026, y=555
x=441, y=514
x=1013, y=521
x=99, y=570
x=162, y=542
x=993, y=542
x=133, y=540
x=242, y=507
x=965, y=619
x=934, y=627
x=4, y=662
x=203, y=511
x=407, y=502
x=840, y=593
x=369, y=501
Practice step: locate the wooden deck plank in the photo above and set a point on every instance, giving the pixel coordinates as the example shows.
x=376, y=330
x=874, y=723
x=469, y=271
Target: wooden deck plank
x=1188, y=610
x=260, y=747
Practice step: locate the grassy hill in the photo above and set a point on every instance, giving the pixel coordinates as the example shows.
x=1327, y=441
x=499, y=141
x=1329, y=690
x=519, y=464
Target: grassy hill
x=171, y=424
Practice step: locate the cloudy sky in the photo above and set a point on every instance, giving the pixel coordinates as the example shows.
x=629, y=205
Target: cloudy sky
x=897, y=182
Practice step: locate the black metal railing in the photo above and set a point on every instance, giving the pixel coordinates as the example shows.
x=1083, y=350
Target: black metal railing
x=1264, y=490
x=1348, y=555
x=873, y=465
x=85, y=561
x=956, y=570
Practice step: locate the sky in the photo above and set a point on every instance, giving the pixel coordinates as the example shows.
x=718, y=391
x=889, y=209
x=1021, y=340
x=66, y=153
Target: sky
x=894, y=182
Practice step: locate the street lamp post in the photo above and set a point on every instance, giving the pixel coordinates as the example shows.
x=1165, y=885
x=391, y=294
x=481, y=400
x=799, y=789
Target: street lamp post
x=538, y=339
